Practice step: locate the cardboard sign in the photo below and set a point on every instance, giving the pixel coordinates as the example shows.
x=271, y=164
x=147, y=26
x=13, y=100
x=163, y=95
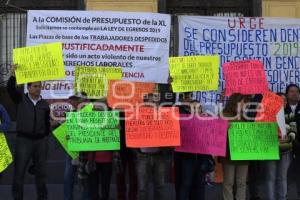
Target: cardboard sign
x=253, y=141
x=151, y=127
x=203, y=135
x=194, y=73
x=39, y=63
x=125, y=94
x=93, y=131
x=94, y=80
x=245, y=77
x=271, y=104
x=5, y=156
x=61, y=133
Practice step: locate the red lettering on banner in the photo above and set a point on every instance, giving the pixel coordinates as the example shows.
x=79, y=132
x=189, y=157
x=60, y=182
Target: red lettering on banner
x=133, y=75
x=253, y=23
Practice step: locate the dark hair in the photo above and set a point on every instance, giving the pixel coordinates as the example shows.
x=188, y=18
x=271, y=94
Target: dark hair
x=290, y=86
x=29, y=84
x=184, y=94
x=232, y=103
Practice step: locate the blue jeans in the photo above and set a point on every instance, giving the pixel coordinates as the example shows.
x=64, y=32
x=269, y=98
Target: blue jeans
x=191, y=183
x=276, y=177
x=69, y=181
x=151, y=166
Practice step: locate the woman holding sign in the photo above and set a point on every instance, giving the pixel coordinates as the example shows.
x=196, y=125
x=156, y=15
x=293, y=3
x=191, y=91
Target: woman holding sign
x=235, y=172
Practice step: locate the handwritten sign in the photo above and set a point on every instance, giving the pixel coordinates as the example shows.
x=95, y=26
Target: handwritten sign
x=39, y=63
x=125, y=94
x=245, y=77
x=194, y=73
x=203, y=135
x=94, y=80
x=271, y=104
x=93, y=131
x=61, y=133
x=151, y=127
x=5, y=156
x=253, y=141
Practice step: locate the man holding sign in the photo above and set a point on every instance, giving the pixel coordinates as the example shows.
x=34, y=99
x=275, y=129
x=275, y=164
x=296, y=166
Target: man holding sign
x=149, y=159
x=33, y=127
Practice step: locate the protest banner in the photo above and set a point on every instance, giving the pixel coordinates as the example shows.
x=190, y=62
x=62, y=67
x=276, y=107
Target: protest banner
x=39, y=63
x=94, y=80
x=61, y=133
x=152, y=127
x=194, y=73
x=137, y=42
x=93, y=131
x=125, y=94
x=253, y=141
x=203, y=135
x=245, y=77
x=273, y=41
x=5, y=156
x=271, y=105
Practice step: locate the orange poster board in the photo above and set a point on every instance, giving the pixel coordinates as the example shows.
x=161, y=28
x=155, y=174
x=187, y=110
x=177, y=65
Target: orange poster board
x=271, y=105
x=152, y=127
x=125, y=94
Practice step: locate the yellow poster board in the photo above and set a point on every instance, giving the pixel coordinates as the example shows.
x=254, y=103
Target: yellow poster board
x=194, y=73
x=5, y=156
x=94, y=80
x=39, y=63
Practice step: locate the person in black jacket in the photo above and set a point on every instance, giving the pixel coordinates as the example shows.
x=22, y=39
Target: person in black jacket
x=33, y=127
x=292, y=114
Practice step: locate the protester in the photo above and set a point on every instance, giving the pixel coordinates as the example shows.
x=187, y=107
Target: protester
x=72, y=165
x=99, y=167
x=151, y=163
x=125, y=163
x=292, y=113
x=235, y=172
x=191, y=178
x=276, y=171
x=33, y=127
x=256, y=174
